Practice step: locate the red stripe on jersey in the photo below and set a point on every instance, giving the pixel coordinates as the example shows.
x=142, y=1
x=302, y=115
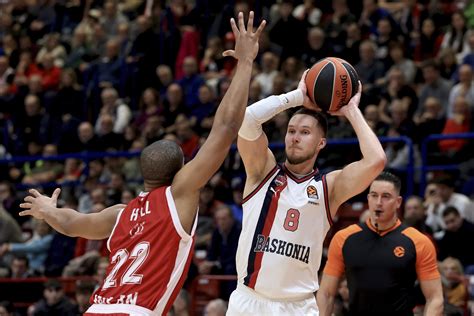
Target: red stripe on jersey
x=326, y=200
x=266, y=232
x=248, y=197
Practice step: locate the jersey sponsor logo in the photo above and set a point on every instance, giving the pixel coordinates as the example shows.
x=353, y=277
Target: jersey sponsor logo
x=399, y=251
x=137, y=229
x=283, y=248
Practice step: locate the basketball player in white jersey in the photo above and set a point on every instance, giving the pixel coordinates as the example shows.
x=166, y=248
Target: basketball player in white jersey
x=288, y=208
x=151, y=238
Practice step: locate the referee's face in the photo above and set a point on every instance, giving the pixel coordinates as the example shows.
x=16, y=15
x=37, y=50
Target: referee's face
x=384, y=201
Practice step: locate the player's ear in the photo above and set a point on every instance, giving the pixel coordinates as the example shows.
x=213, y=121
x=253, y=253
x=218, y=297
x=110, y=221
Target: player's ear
x=322, y=143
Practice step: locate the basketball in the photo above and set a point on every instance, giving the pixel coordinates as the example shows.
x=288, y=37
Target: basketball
x=331, y=83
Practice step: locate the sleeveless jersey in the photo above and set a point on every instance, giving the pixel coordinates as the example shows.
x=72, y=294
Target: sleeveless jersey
x=150, y=254
x=285, y=221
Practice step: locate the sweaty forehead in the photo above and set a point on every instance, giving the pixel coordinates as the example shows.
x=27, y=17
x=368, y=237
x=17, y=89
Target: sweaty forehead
x=300, y=120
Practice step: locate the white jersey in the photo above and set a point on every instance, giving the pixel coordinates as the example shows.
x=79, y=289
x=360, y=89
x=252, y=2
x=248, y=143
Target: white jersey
x=285, y=221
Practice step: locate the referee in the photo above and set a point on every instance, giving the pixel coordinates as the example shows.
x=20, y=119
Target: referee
x=382, y=259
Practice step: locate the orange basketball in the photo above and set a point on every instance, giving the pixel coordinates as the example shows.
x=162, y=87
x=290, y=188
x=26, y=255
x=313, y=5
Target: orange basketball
x=331, y=83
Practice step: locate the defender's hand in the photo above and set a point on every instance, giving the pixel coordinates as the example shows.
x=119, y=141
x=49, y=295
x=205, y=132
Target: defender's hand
x=246, y=40
x=36, y=203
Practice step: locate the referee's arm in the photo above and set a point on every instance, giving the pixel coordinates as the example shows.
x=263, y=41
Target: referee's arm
x=427, y=272
x=433, y=292
x=332, y=274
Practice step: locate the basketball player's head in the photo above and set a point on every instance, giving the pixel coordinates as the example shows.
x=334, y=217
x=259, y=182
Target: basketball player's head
x=305, y=136
x=384, y=197
x=160, y=162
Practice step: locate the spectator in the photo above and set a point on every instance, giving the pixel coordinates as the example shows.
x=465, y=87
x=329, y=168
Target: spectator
x=448, y=64
x=108, y=68
x=7, y=308
x=459, y=122
x=216, y=307
x=36, y=249
x=181, y=304
x=428, y=44
x=452, y=242
x=318, y=47
x=6, y=72
x=108, y=139
x=308, y=13
x=269, y=72
x=399, y=60
x=10, y=231
x=191, y=82
x=288, y=32
x=429, y=120
x=52, y=46
x=456, y=37
x=352, y=44
x=440, y=194
x=369, y=69
x=414, y=215
x=465, y=89
x=149, y=106
x=116, y=109
x=434, y=85
x=54, y=302
x=50, y=73
x=372, y=117
x=9, y=202
x=20, y=267
x=84, y=290
x=112, y=18
x=165, y=78
x=188, y=139
x=453, y=282
x=45, y=170
x=173, y=106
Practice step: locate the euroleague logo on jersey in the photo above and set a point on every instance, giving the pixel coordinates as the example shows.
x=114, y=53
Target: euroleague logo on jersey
x=312, y=194
x=137, y=229
x=399, y=251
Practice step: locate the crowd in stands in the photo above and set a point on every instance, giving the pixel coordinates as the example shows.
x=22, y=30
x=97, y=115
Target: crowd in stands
x=114, y=76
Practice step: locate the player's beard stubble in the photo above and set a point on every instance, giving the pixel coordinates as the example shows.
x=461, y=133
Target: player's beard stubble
x=295, y=159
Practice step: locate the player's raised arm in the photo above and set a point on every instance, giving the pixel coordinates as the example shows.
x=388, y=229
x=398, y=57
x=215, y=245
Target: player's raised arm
x=357, y=176
x=252, y=141
x=68, y=221
x=195, y=174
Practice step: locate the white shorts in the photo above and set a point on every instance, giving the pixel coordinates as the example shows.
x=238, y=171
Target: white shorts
x=245, y=301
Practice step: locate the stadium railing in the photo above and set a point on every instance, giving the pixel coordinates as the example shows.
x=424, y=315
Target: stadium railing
x=426, y=167
x=409, y=169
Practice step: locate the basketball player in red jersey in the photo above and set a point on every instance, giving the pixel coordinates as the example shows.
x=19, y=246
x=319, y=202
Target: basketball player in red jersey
x=288, y=208
x=151, y=238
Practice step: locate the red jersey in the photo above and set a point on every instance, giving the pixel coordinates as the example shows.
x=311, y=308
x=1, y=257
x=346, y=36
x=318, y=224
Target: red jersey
x=150, y=253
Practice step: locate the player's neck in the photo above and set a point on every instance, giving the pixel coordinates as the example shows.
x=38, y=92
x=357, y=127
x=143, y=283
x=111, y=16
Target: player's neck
x=300, y=170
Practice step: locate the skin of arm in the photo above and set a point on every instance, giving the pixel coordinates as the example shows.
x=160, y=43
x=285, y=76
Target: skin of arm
x=227, y=121
x=433, y=292
x=326, y=294
x=357, y=176
x=68, y=221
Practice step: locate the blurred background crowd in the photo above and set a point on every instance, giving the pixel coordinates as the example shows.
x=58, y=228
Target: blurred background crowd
x=110, y=76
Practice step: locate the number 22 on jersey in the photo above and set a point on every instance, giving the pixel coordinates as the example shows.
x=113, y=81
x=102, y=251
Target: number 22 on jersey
x=137, y=257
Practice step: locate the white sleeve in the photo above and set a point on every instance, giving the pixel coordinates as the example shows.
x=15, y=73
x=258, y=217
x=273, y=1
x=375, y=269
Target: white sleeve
x=263, y=110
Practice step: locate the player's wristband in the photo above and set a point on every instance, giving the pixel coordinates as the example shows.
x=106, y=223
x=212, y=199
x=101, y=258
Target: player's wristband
x=263, y=110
